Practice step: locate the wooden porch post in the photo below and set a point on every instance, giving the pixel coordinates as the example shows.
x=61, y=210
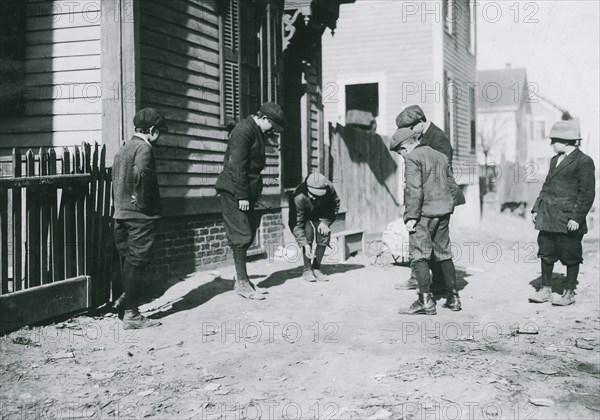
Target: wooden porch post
x=120, y=71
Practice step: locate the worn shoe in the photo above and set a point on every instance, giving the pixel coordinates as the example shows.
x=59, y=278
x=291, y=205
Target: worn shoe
x=133, y=320
x=309, y=276
x=410, y=284
x=567, y=298
x=244, y=289
x=119, y=306
x=452, y=301
x=257, y=289
x=423, y=305
x=319, y=275
x=542, y=295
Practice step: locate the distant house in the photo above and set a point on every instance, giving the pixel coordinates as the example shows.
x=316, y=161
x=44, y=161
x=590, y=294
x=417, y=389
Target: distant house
x=386, y=55
x=78, y=71
x=544, y=113
x=504, y=122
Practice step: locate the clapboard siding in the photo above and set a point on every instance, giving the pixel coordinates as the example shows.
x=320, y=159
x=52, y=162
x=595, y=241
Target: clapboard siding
x=180, y=74
x=461, y=66
x=62, y=77
x=375, y=39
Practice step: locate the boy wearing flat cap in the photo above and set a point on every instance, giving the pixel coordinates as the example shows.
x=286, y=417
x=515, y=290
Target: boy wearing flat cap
x=137, y=210
x=430, y=135
x=560, y=211
x=240, y=185
x=430, y=196
x=312, y=211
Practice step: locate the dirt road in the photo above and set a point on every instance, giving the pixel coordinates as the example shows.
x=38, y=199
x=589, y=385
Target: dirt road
x=329, y=350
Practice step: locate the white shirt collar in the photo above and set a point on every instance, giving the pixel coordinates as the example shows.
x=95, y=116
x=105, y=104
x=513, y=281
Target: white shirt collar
x=138, y=135
x=427, y=125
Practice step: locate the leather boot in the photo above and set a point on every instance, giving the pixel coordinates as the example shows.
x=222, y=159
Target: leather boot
x=567, y=298
x=244, y=288
x=309, y=276
x=319, y=275
x=133, y=320
x=542, y=295
x=452, y=301
x=423, y=305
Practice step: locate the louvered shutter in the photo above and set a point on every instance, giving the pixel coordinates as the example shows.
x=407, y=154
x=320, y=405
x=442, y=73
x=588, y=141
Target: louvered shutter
x=250, y=20
x=231, y=59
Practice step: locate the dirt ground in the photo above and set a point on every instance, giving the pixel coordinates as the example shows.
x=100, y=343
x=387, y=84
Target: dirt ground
x=332, y=350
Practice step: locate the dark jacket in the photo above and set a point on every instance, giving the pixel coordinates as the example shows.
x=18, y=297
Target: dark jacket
x=430, y=190
x=568, y=193
x=135, y=183
x=435, y=138
x=244, y=161
x=303, y=209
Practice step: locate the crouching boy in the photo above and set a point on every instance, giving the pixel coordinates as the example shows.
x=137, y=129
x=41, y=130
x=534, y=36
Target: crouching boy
x=430, y=195
x=560, y=211
x=312, y=211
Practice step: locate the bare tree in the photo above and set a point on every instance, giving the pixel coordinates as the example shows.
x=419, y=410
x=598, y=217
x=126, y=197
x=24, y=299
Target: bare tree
x=491, y=129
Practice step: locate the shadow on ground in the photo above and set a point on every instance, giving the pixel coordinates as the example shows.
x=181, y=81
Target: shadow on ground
x=219, y=285
x=558, y=281
x=198, y=296
x=279, y=277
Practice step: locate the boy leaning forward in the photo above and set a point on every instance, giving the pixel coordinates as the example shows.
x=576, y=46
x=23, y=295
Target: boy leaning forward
x=430, y=196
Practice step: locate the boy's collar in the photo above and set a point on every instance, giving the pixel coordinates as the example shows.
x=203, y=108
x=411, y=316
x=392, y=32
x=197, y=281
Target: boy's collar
x=141, y=136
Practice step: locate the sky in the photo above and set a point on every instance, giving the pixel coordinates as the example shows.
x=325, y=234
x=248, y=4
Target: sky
x=558, y=42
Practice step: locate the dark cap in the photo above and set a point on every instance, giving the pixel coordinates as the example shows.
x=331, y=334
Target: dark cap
x=400, y=136
x=148, y=117
x=275, y=113
x=410, y=116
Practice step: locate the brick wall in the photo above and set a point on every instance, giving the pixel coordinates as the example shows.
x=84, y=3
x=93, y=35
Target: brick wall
x=193, y=243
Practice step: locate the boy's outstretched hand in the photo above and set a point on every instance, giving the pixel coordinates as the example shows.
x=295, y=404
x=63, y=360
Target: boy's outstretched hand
x=410, y=226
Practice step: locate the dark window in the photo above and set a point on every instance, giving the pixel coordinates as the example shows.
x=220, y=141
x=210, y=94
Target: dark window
x=12, y=59
x=363, y=97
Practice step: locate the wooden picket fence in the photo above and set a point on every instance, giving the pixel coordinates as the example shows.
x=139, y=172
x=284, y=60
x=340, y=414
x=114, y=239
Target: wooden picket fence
x=55, y=221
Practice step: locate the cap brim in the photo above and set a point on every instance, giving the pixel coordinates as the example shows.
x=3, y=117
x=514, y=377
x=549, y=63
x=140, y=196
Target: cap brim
x=277, y=127
x=317, y=191
x=163, y=128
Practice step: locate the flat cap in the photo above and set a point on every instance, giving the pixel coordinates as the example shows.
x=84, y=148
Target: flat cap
x=150, y=117
x=410, y=116
x=400, y=136
x=317, y=183
x=275, y=113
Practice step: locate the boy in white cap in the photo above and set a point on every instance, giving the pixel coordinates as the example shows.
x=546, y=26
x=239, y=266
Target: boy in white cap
x=312, y=211
x=560, y=211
